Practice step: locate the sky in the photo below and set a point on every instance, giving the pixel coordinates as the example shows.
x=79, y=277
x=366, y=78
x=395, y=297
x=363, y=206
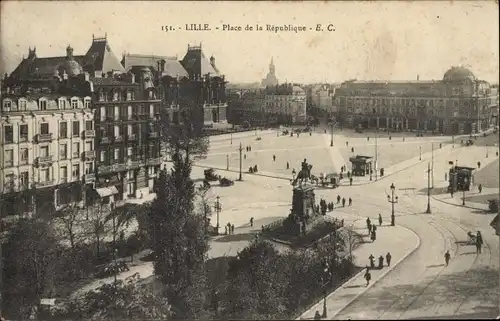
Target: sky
x=371, y=40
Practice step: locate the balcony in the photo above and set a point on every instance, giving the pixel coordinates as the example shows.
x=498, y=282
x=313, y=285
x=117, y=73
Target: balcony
x=119, y=167
x=153, y=135
x=103, y=169
x=118, y=139
x=89, y=154
x=8, y=164
x=76, y=154
x=105, y=140
x=44, y=160
x=23, y=139
x=132, y=164
x=154, y=161
x=89, y=133
x=44, y=137
x=89, y=178
x=45, y=183
x=132, y=137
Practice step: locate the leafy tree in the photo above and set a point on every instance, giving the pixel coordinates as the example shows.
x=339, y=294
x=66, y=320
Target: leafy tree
x=96, y=224
x=29, y=256
x=70, y=218
x=123, y=300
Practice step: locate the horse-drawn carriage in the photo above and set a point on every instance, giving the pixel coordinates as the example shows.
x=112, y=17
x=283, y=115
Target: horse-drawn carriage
x=224, y=182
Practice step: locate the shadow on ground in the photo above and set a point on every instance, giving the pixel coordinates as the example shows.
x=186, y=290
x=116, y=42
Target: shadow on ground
x=434, y=191
x=236, y=237
x=481, y=198
x=479, y=284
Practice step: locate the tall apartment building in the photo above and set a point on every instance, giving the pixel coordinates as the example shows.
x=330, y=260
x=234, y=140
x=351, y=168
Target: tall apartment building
x=46, y=139
x=287, y=103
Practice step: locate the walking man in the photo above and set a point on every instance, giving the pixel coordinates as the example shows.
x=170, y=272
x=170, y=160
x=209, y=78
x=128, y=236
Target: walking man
x=388, y=258
x=478, y=164
x=480, y=188
x=251, y=221
x=287, y=165
x=350, y=201
x=350, y=181
x=274, y=158
x=229, y=227
x=369, y=225
x=343, y=201
x=368, y=277
x=380, y=262
x=447, y=257
x=372, y=261
x=232, y=229
x=479, y=242
x=379, y=219
x=338, y=199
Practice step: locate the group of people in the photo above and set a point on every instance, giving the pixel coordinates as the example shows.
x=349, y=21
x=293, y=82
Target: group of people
x=230, y=228
x=372, y=228
x=388, y=258
x=339, y=199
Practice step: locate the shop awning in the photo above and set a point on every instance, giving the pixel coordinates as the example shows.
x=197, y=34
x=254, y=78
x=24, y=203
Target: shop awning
x=495, y=224
x=107, y=191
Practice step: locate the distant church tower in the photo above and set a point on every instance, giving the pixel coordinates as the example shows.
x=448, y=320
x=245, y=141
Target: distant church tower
x=270, y=79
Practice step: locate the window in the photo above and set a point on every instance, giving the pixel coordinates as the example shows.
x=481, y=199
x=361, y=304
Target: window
x=129, y=95
x=129, y=112
x=64, y=173
x=129, y=130
x=88, y=146
x=43, y=105
x=23, y=179
x=76, y=150
x=74, y=103
x=117, y=112
x=117, y=131
x=76, y=171
x=62, y=104
x=63, y=129
x=130, y=174
x=23, y=133
x=63, y=151
x=89, y=125
x=9, y=158
x=117, y=154
x=8, y=134
x=22, y=104
x=89, y=168
x=9, y=181
x=103, y=113
x=115, y=95
x=23, y=156
x=151, y=111
x=76, y=128
x=44, y=175
x=129, y=151
x=7, y=104
x=102, y=96
x=44, y=128
x=103, y=156
x=86, y=103
x=44, y=151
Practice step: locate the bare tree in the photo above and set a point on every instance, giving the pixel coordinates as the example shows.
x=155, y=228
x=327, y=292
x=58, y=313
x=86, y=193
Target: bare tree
x=97, y=223
x=69, y=217
x=204, y=204
x=351, y=239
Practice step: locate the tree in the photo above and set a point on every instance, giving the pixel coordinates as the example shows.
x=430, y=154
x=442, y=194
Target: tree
x=69, y=219
x=123, y=300
x=30, y=255
x=96, y=224
x=351, y=239
x=204, y=204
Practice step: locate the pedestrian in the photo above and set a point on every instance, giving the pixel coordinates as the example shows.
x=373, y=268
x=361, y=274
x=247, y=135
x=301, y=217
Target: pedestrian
x=232, y=229
x=380, y=262
x=497, y=153
x=480, y=188
x=225, y=233
x=317, y=316
x=274, y=158
x=368, y=138
x=343, y=201
x=338, y=199
x=372, y=261
x=350, y=201
x=445, y=177
x=352, y=149
x=245, y=156
x=350, y=181
x=349, y=174
x=478, y=164
x=379, y=219
x=403, y=139
x=388, y=258
x=451, y=192
x=229, y=227
x=369, y=225
x=368, y=277
x=347, y=143
x=374, y=236
x=251, y=221
x=479, y=242
x=374, y=228
x=310, y=134
x=287, y=165
x=447, y=257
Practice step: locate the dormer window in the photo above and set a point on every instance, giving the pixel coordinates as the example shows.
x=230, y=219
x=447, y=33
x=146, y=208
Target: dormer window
x=74, y=103
x=62, y=103
x=7, y=104
x=86, y=103
x=22, y=104
x=43, y=104
x=102, y=96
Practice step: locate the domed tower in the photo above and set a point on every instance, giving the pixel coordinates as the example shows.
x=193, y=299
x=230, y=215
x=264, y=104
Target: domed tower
x=271, y=67
x=458, y=74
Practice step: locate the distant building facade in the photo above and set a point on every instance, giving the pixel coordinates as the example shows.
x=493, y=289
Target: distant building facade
x=322, y=97
x=270, y=80
x=247, y=106
x=457, y=104
x=286, y=103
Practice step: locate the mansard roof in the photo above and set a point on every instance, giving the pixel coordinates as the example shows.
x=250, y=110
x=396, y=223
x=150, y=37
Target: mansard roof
x=196, y=64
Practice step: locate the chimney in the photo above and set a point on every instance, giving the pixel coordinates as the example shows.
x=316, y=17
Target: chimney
x=158, y=65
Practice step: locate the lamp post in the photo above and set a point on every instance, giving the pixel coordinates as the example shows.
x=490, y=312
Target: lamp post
x=420, y=157
x=227, y=162
x=393, y=200
x=331, y=134
x=218, y=208
x=463, y=190
x=428, y=211
x=486, y=150
x=327, y=276
x=231, y=138
x=376, y=154
x=240, y=150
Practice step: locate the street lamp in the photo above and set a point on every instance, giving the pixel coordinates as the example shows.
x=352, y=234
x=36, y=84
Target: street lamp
x=428, y=211
x=486, y=150
x=227, y=162
x=218, y=208
x=463, y=190
x=420, y=157
x=231, y=138
x=327, y=276
x=331, y=137
x=393, y=200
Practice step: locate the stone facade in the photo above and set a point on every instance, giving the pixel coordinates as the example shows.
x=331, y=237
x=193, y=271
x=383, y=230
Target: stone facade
x=286, y=103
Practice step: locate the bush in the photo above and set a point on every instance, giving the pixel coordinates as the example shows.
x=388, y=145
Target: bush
x=316, y=233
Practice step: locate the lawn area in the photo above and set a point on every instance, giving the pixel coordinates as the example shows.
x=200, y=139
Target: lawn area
x=481, y=198
x=488, y=175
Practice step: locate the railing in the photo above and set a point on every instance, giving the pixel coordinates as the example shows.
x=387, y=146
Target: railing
x=118, y=139
x=44, y=137
x=105, y=140
x=23, y=162
x=76, y=154
x=119, y=167
x=44, y=159
x=132, y=164
x=89, y=133
x=45, y=183
x=89, y=178
x=154, y=161
x=89, y=154
x=132, y=137
x=8, y=164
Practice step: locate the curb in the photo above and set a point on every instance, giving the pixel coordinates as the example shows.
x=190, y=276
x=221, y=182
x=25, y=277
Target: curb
x=459, y=205
x=330, y=317
x=246, y=173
